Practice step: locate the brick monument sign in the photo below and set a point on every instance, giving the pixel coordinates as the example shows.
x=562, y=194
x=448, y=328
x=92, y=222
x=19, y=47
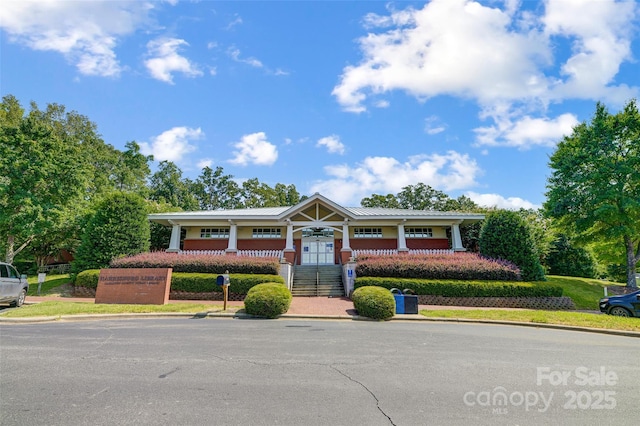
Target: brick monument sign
x=140, y=286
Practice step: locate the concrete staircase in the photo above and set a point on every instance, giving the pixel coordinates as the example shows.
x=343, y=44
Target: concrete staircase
x=320, y=280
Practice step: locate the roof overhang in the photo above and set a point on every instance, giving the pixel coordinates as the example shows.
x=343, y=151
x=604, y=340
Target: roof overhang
x=281, y=215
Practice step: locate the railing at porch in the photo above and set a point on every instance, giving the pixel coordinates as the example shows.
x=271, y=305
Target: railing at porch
x=249, y=253
x=261, y=253
x=388, y=252
x=209, y=252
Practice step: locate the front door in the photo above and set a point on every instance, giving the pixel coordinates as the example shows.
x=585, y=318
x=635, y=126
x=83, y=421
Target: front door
x=318, y=246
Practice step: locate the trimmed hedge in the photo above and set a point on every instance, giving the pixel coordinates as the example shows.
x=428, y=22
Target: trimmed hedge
x=374, y=302
x=200, y=263
x=267, y=300
x=87, y=279
x=453, y=288
x=458, y=266
x=202, y=283
x=193, y=282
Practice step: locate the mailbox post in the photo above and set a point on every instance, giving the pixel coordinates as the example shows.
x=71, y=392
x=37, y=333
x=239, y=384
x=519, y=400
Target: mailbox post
x=223, y=280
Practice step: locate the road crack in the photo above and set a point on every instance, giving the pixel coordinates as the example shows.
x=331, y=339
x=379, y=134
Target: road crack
x=342, y=373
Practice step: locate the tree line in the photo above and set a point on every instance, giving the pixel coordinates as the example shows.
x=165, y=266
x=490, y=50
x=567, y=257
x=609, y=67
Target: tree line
x=55, y=170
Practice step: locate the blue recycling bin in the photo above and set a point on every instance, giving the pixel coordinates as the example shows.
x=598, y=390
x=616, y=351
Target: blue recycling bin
x=399, y=297
x=405, y=303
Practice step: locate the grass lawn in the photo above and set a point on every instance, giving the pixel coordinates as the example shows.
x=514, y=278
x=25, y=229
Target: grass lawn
x=585, y=292
x=51, y=285
x=56, y=309
x=542, y=317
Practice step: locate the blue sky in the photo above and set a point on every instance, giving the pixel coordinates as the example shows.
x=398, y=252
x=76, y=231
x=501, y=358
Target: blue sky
x=345, y=98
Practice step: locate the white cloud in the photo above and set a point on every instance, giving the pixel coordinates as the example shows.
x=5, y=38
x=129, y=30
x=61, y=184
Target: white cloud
x=505, y=59
x=601, y=43
x=431, y=51
x=165, y=59
x=348, y=184
x=85, y=32
x=333, y=144
x=235, y=55
x=172, y=144
x=495, y=200
x=254, y=149
x=526, y=132
x=237, y=20
x=433, y=126
x=205, y=162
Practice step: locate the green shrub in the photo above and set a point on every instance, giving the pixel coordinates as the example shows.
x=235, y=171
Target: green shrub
x=267, y=300
x=88, y=278
x=119, y=227
x=565, y=258
x=374, y=302
x=505, y=235
x=204, y=283
x=453, y=288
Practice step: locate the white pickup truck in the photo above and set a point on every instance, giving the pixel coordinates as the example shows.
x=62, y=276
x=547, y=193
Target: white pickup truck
x=13, y=286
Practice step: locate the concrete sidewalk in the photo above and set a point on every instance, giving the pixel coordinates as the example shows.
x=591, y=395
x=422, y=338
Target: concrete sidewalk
x=315, y=306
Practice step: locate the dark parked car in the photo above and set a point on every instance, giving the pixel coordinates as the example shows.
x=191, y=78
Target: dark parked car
x=626, y=305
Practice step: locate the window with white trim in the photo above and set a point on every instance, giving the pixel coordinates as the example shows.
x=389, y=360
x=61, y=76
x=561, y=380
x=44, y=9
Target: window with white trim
x=418, y=232
x=367, y=232
x=214, y=232
x=266, y=233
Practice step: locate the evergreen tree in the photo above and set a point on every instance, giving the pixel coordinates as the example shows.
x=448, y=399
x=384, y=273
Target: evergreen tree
x=119, y=227
x=505, y=235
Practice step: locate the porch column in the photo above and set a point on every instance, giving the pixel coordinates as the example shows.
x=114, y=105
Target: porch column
x=402, y=240
x=289, y=241
x=174, y=242
x=457, y=239
x=345, y=236
x=345, y=253
x=289, y=252
x=232, y=246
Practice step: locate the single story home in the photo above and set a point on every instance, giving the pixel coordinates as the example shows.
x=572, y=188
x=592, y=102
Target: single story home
x=316, y=231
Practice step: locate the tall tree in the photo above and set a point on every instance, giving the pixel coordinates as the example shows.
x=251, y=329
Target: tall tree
x=422, y=197
x=215, y=190
x=43, y=169
x=286, y=195
x=388, y=201
x=594, y=189
x=166, y=185
x=132, y=169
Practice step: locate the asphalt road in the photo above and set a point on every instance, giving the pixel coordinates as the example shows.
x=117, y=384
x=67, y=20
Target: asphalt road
x=205, y=371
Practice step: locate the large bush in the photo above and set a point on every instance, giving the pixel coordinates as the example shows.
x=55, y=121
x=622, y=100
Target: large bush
x=374, y=302
x=452, y=288
x=505, y=235
x=459, y=266
x=87, y=278
x=201, y=263
x=267, y=300
x=119, y=227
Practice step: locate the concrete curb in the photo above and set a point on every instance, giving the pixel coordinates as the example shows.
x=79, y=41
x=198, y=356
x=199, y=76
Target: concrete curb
x=242, y=315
